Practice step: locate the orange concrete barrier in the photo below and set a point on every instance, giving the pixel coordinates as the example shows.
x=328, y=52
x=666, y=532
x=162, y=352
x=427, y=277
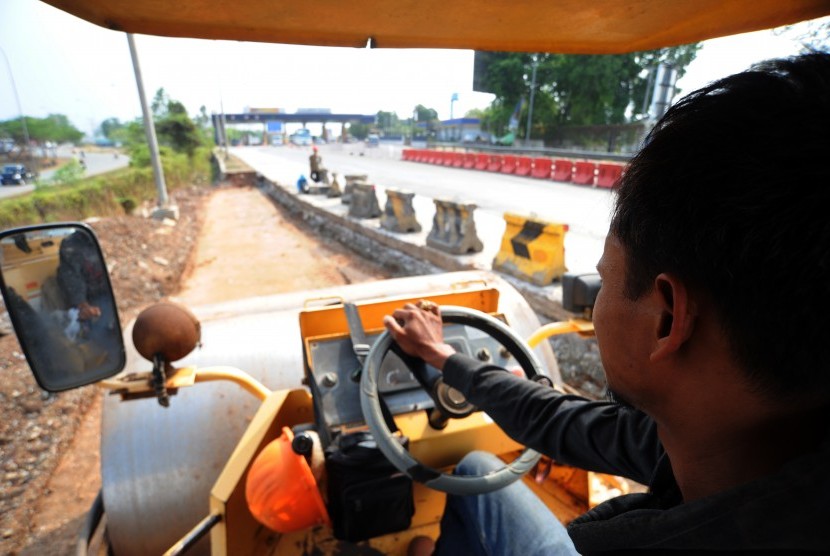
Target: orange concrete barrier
x=608, y=174
x=482, y=161
x=508, y=164
x=562, y=169
x=469, y=161
x=584, y=173
x=542, y=168
x=524, y=165
x=495, y=163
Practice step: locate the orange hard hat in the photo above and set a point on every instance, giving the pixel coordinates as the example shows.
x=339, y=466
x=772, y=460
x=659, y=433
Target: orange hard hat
x=314, y=148
x=281, y=491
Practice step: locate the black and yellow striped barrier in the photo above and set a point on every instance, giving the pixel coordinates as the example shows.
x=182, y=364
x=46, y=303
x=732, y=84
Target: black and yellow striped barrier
x=454, y=228
x=533, y=250
x=399, y=214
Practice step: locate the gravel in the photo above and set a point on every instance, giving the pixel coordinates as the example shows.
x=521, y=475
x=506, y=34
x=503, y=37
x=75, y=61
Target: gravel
x=36, y=427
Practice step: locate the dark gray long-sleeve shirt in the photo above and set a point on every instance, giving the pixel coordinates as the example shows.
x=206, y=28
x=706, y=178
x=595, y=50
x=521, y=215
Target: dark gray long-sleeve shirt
x=782, y=513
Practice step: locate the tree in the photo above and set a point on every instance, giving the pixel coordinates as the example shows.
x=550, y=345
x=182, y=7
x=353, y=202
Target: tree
x=358, y=130
x=54, y=127
x=159, y=104
x=179, y=132
x=388, y=122
x=814, y=35
x=112, y=129
x=574, y=89
x=175, y=130
x=424, y=114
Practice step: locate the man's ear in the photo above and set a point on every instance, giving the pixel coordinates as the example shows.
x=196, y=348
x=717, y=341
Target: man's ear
x=676, y=316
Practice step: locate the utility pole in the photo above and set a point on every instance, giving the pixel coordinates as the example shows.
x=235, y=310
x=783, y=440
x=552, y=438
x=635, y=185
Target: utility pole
x=532, y=94
x=164, y=209
x=17, y=100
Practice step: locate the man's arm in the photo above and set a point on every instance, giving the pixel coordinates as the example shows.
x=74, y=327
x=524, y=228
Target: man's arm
x=598, y=436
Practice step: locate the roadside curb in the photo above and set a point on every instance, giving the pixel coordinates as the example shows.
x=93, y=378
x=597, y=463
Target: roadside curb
x=402, y=253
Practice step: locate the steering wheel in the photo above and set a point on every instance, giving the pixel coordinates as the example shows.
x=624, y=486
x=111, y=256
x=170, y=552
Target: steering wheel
x=399, y=456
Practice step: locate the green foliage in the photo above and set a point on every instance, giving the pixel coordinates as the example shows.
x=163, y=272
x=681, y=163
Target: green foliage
x=175, y=131
x=69, y=174
x=54, y=127
x=113, y=129
x=814, y=35
x=388, y=123
x=424, y=114
x=104, y=195
x=573, y=89
x=178, y=131
x=359, y=130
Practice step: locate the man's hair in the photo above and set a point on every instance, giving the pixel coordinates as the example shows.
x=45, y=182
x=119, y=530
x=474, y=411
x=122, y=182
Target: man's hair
x=731, y=194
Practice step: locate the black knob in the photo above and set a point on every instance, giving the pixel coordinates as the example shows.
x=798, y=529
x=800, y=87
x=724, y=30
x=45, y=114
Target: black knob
x=302, y=444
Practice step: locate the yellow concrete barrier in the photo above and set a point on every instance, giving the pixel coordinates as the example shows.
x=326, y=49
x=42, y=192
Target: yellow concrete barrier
x=454, y=228
x=399, y=214
x=531, y=249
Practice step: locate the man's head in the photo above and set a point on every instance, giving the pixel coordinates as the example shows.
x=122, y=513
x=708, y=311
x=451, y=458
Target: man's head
x=731, y=195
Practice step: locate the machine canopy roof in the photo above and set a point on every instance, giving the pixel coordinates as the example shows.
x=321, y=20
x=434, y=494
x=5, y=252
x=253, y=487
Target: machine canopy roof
x=565, y=26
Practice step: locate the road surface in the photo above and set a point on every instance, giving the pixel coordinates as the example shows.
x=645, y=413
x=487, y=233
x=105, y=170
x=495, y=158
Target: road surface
x=586, y=210
x=96, y=163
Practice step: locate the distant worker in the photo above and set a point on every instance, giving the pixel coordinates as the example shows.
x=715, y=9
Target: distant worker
x=317, y=172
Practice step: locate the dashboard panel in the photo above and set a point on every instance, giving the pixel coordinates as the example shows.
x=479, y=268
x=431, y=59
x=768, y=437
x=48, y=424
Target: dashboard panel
x=335, y=371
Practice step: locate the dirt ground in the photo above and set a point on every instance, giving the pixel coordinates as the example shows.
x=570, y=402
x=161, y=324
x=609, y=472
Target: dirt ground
x=228, y=243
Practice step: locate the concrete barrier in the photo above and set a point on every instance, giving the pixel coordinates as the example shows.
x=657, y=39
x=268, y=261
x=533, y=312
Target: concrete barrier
x=454, y=228
x=364, y=203
x=351, y=180
x=532, y=250
x=399, y=214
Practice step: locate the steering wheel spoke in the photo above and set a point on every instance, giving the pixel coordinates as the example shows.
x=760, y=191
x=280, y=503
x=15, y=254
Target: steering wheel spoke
x=449, y=402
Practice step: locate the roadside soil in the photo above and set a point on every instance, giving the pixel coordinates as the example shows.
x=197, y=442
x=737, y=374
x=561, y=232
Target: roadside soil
x=228, y=243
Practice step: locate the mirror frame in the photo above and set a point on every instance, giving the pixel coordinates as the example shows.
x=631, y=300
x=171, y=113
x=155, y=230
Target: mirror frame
x=17, y=325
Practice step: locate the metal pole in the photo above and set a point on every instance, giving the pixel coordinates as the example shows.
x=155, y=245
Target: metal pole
x=532, y=94
x=149, y=128
x=17, y=100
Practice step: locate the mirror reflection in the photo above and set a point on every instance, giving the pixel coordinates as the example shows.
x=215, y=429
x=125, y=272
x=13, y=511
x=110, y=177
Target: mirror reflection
x=59, y=298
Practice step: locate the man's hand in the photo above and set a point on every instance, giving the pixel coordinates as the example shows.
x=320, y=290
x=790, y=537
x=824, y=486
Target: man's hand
x=419, y=332
x=87, y=311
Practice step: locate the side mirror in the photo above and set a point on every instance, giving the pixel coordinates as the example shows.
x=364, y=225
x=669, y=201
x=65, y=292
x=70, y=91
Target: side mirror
x=59, y=298
x=579, y=292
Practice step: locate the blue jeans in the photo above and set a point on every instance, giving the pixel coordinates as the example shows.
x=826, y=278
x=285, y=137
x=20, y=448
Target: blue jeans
x=509, y=521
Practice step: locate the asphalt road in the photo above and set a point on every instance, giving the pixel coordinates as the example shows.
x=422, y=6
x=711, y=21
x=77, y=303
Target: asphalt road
x=586, y=210
x=96, y=163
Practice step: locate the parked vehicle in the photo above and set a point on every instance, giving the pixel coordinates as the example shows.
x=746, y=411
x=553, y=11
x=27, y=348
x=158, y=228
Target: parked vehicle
x=301, y=137
x=16, y=174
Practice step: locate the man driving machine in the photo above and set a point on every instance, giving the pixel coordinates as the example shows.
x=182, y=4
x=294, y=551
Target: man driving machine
x=711, y=323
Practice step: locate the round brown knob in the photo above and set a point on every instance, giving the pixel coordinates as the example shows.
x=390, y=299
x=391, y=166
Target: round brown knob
x=166, y=329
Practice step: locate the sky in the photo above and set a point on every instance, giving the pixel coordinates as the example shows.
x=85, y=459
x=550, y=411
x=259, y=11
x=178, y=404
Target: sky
x=62, y=64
